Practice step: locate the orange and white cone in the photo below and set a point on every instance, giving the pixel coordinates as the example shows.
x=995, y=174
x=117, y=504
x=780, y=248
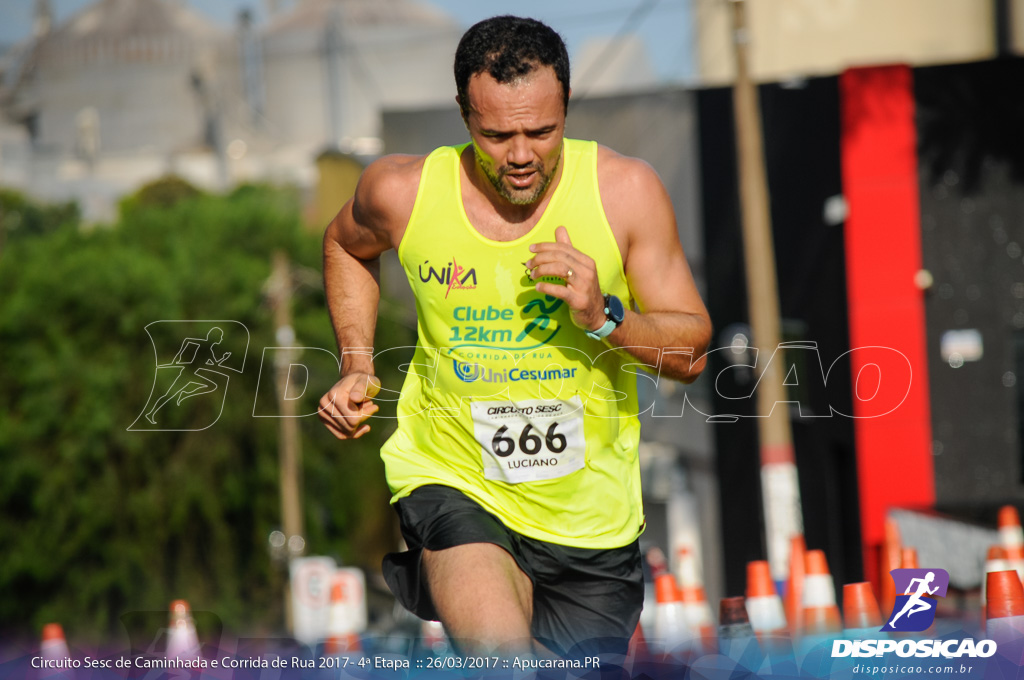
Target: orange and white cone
x=1011, y=535
x=341, y=630
x=794, y=599
x=55, y=653
x=433, y=638
x=671, y=628
x=820, y=613
x=637, y=650
x=908, y=560
x=764, y=606
x=889, y=559
x=1004, y=605
x=656, y=561
x=860, y=610
x=182, y=640
x=996, y=561
x=695, y=600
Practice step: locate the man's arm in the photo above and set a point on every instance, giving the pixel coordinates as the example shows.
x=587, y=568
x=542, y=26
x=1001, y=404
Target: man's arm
x=671, y=312
x=370, y=223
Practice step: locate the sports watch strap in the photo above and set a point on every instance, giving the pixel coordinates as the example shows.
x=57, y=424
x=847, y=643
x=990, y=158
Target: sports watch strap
x=614, y=312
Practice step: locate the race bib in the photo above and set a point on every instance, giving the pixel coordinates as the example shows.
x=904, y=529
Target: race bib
x=530, y=440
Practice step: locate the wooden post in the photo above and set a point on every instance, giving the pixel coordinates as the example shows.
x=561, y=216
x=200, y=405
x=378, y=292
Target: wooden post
x=289, y=443
x=780, y=490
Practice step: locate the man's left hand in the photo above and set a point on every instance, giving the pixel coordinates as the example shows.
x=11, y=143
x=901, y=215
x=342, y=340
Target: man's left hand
x=582, y=290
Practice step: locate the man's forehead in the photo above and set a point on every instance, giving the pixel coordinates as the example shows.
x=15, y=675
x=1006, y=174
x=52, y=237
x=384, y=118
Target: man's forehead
x=540, y=76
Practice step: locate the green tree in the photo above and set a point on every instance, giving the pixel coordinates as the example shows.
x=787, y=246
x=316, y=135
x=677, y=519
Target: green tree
x=98, y=521
x=21, y=217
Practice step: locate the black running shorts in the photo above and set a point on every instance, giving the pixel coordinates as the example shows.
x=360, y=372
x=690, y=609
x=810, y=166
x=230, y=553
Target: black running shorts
x=584, y=601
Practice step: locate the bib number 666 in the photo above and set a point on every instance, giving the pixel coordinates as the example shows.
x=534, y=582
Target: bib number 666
x=529, y=442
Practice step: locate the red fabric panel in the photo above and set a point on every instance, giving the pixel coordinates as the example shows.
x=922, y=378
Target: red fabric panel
x=883, y=253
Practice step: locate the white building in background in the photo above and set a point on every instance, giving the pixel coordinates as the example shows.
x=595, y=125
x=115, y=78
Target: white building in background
x=128, y=90
x=792, y=39
x=331, y=66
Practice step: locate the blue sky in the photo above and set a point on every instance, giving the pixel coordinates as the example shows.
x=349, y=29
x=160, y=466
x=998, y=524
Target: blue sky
x=662, y=24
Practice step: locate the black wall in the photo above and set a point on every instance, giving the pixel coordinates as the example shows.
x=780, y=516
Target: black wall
x=801, y=129
x=970, y=120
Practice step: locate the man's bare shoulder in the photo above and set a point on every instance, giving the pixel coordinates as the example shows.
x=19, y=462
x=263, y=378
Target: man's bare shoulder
x=631, y=191
x=618, y=169
x=387, y=191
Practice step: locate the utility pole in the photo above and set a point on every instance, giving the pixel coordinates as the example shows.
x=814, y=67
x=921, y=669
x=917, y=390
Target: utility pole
x=289, y=444
x=1002, y=11
x=780, y=490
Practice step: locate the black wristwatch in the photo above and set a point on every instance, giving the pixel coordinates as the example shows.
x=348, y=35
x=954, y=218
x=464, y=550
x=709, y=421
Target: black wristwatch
x=615, y=313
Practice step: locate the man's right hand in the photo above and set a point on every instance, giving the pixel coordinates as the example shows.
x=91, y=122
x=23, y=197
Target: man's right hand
x=347, y=405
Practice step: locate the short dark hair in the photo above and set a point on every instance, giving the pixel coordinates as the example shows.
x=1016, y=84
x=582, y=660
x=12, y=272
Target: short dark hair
x=507, y=48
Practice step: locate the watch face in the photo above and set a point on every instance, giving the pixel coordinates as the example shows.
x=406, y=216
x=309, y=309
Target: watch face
x=616, y=312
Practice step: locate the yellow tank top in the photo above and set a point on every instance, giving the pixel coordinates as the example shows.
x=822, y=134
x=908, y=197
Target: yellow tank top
x=505, y=398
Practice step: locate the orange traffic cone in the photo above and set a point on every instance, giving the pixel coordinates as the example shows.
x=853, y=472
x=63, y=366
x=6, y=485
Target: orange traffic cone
x=671, y=628
x=764, y=606
x=860, y=609
x=820, y=613
x=656, y=561
x=996, y=561
x=1004, y=606
x=637, y=649
x=54, y=651
x=182, y=640
x=1011, y=535
x=889, y=559
x=54, y=644
x=908, y=560
x=795, y=584
x=695, y=600
x=433, y=638
x=341, y=633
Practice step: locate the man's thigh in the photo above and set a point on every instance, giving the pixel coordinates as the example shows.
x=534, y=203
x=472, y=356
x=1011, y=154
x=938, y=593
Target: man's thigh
x=481, y=595
x=579, y=595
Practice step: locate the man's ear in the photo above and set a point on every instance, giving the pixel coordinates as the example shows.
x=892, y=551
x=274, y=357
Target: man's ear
x=462, y=111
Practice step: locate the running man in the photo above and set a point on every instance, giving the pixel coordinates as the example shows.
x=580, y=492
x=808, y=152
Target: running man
x=196, y=383
x=915, y=604
x=543, y=269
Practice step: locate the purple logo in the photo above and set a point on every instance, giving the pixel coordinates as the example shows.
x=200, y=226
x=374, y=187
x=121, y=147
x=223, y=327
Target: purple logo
x=914, y=610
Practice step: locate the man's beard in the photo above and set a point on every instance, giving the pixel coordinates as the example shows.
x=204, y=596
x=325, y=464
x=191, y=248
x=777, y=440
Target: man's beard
x=511, y=194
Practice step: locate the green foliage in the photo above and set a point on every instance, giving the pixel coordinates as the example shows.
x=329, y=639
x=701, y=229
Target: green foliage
x=162, y=193
x=22, y=217
x=98, y=521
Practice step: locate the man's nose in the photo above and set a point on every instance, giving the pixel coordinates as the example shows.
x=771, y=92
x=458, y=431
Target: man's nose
x=519, y=152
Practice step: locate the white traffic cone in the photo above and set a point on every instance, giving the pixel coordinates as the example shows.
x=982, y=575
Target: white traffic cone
x=341, y=626
x=996, y=562
x=182, y=640
x=699, y=616
x=670, y=626
x=820, y=612
x=1011, y=535
x=764, y=606
x=55, y=653
x=433, y=639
